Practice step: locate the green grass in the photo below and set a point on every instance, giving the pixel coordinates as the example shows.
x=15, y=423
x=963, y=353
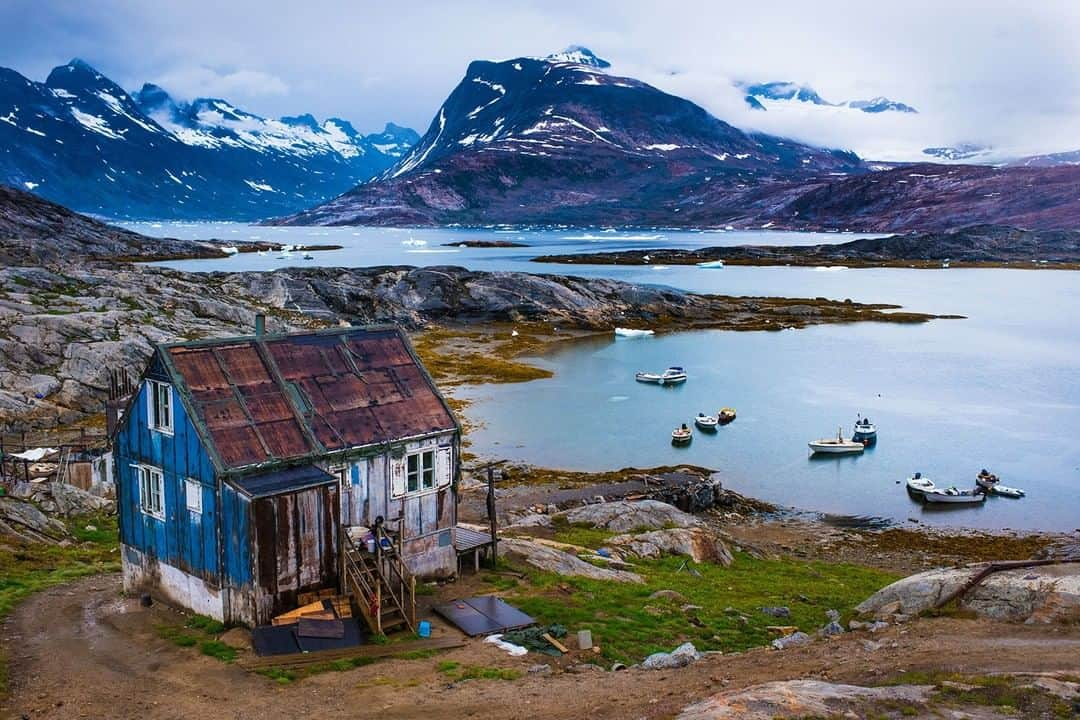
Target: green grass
x=218, y=649
x=456, y=672
x=31, y=567
x=208, y=625
x=999, y=691
x=628, y=626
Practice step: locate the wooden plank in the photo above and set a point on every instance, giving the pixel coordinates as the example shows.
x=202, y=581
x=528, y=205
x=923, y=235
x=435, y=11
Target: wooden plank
x=294, y=615
x=366, y=651
x=555, y=643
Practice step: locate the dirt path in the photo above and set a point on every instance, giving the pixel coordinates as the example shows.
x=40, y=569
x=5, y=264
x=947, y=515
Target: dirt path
x=83, y=651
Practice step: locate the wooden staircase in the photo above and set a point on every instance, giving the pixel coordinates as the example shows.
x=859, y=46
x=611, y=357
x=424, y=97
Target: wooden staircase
x=380, y=584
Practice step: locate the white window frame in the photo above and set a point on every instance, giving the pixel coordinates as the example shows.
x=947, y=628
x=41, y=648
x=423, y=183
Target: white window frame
x=159, y=416
x=423, y=474
x=193, y=495
x=151, y=491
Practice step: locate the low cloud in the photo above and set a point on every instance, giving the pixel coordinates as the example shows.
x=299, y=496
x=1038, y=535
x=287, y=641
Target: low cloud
x=200, y=81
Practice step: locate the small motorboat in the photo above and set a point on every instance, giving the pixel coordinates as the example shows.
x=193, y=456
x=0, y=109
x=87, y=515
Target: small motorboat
x=706, y=422
x=836, y=446
x=918, y=485
x=632, y=332
x=672, y=376
x=725, y=415
x=681, y=435
x=711, y=264
x=953, y=495
x=308, y=256
x=865, y=431
x=991, y=483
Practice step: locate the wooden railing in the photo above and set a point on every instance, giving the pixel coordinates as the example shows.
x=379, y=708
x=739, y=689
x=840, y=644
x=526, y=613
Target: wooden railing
x=361, y=582
x=399, y=580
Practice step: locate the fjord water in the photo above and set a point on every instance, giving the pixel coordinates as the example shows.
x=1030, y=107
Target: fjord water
x=999, y=389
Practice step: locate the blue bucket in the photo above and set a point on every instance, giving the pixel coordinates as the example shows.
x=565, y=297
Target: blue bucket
x=424, y=629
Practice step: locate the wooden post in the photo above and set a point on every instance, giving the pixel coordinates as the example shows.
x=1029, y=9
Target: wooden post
x=491, y=516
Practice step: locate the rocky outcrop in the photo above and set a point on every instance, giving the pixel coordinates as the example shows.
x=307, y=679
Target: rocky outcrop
x=695, y=543
x=625, y=516
x=20, y=520
x=802, y=699
x=681, y=656
x=1039, y=594
x=64, y=500
x=561, y=563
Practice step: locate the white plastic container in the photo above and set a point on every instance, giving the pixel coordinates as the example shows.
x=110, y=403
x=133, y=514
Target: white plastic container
x=584, y=639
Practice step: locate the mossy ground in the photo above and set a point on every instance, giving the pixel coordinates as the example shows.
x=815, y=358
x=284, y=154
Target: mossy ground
x=628, y=625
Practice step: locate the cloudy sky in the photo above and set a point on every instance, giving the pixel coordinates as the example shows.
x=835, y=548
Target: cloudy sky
x=998, y=72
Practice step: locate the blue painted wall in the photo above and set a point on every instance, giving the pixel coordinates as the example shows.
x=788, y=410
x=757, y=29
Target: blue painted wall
x=184, y=539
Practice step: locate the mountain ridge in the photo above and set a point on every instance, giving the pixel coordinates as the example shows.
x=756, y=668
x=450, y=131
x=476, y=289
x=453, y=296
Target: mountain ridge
x=80, y=139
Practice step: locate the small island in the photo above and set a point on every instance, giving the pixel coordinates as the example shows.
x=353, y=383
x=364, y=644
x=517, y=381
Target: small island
x=486, y=244
x=975, y=246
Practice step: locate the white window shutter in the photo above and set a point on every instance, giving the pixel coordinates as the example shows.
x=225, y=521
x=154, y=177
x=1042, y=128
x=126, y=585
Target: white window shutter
x=397, y=477
x=444, y=467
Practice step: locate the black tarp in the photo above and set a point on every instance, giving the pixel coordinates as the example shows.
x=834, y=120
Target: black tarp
x=483, y=615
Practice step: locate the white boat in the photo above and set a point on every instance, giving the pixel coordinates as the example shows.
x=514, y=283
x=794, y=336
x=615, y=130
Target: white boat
x=836, y=446
x=711, y=264
x=706, y=422
x=954, y=495
x=672, y=376
x=918, y=485
x=632, y=332
x=230, y=249
x=681, y=435
x=992, y=483
x=864, y=430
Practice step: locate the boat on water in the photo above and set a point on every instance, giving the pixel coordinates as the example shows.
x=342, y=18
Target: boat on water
x=681, y=435
x=672, y=376
x=706, y=422
x=954, y=496
x=918, y=485
x=836, y=446
x=308, y=256
x=632, y=332
x=991, y=483
x=865, y=430
x=711, y=264
x=725, y=415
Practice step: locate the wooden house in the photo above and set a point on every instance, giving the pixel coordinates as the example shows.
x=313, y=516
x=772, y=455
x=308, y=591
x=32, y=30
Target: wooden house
x=243, y=463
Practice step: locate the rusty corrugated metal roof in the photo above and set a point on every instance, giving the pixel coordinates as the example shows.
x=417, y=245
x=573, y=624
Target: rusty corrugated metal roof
x=278, y=398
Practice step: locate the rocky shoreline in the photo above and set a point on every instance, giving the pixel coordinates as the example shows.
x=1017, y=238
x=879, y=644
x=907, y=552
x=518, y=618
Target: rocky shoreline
x=72, y=309
x=976, y=246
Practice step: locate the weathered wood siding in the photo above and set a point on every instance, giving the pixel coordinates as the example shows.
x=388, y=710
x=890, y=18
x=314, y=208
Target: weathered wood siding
x=295, y=547
x=185, y=539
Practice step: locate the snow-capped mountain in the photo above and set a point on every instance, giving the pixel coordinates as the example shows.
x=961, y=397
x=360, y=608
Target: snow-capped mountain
x=558, y=139
x=1069, y=157
x=81, y=140
x=579, y=55
x=760, y=96
x=962, y=151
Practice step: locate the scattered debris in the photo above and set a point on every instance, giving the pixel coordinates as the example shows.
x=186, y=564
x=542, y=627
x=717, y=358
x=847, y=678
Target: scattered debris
x=535, y=638
x=833, y=628
x=511, y=648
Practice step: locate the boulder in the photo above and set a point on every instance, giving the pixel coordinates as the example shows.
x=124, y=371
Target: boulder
x=793, y=640
x=801, y=699
x=625, y=516
x=530, y=521
x=677, y=658
x=562, y=563
x=695, y=543
x=71, y=501
x=20, y=520
x=1049, y=593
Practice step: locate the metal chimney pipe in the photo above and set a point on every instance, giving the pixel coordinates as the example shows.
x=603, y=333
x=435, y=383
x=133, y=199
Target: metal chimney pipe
x=260, y=325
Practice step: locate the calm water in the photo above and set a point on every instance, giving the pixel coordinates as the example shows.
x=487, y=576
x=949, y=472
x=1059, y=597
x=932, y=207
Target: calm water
x=1000, y=389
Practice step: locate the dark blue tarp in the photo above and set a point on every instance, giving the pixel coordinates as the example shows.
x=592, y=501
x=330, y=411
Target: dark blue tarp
x=278, y=482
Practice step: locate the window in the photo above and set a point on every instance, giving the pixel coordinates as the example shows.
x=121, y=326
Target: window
x=151, y=491
x=161, y=415
x=193, y=491
x=420, y=471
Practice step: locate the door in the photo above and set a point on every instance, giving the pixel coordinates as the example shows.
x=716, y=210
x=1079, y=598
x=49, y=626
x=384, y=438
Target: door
x=345, y=488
